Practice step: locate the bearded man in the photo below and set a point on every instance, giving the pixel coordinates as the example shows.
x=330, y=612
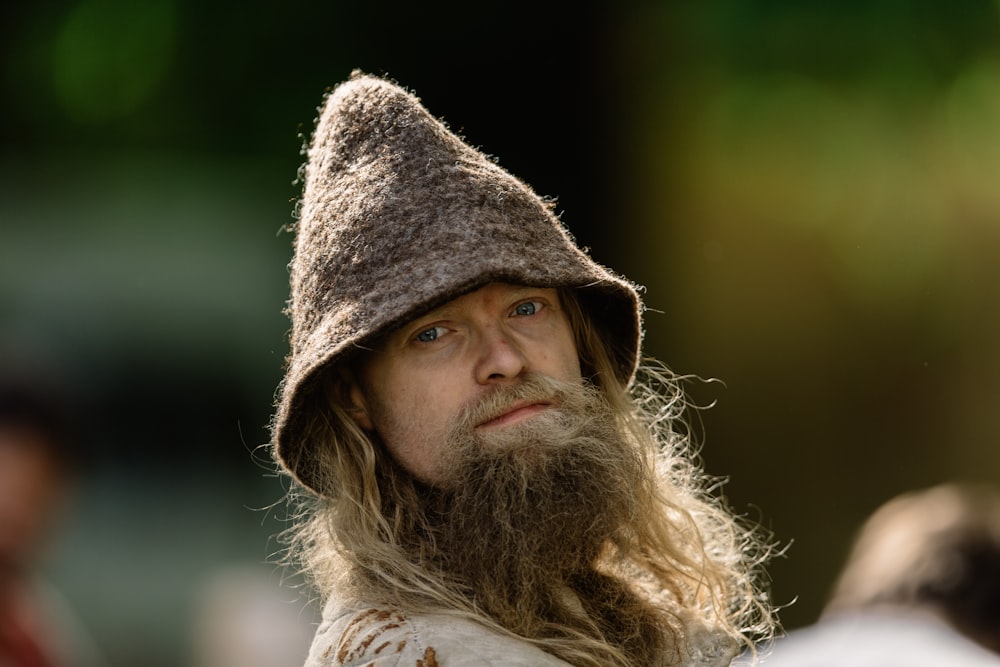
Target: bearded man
x=483, y=480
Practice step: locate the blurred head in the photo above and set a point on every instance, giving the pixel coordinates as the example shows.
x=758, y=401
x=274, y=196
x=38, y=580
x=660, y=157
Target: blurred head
x=936, y=550
x=35, y=465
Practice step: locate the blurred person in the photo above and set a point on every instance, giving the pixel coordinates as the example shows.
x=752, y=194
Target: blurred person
x=921, y=587
x=482, y=479
x=37, y=628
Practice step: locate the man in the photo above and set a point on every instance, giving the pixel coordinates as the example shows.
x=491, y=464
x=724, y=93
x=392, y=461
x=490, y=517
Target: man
x=921, y=587
x=481, y=487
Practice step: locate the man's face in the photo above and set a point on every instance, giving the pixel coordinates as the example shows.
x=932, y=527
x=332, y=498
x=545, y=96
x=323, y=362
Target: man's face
x=414, y=385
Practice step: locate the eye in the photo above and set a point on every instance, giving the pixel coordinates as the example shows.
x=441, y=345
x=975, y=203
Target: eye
x=428, y=335
x=527, y=308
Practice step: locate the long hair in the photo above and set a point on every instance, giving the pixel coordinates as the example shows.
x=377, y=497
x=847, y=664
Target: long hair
x=685, y=555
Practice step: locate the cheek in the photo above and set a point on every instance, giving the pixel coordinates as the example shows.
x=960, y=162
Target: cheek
x=565, y=357
x=412, y=424
x=573, y=362
x=565, y=367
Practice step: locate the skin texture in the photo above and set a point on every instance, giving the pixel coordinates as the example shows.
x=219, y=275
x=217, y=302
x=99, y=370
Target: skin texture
x=416, y=381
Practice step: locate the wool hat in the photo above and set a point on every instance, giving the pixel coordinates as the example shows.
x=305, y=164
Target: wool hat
x=398, y=216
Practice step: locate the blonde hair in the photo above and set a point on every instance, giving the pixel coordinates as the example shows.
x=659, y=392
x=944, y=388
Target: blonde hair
x=689, y=555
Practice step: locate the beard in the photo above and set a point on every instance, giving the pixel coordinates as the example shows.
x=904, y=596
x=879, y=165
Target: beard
x=526, y=515
x=548, y=492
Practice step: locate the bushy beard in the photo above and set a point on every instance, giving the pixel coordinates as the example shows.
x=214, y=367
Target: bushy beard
x=526, y=513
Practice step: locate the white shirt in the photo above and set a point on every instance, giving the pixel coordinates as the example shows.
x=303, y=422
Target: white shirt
x=380, y=637
x=384, y=638
x=877, y=639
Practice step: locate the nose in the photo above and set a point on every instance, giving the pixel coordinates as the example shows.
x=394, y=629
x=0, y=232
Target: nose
x=500, y=359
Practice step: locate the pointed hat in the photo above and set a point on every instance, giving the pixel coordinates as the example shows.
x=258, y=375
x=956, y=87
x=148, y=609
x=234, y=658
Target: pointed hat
x=399, y=216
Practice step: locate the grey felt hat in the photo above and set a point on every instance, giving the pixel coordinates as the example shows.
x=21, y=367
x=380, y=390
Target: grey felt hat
x=398, y=216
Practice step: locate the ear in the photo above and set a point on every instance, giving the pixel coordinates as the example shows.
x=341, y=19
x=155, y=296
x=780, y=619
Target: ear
x=344, y=389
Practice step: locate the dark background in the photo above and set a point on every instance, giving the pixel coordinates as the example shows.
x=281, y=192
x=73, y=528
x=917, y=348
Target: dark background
x=809, y=192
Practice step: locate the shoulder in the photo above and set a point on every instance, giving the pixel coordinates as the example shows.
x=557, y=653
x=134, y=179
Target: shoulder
x=371, y=637
x=378, y=637
x=877, y=639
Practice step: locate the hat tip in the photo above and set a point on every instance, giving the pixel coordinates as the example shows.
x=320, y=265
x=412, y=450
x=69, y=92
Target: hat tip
x=361, y=84
x=360, y=77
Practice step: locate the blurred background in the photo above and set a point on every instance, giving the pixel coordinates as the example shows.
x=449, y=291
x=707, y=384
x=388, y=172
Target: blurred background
x=808, y=191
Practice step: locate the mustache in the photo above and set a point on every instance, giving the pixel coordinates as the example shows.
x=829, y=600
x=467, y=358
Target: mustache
x=502, y=398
